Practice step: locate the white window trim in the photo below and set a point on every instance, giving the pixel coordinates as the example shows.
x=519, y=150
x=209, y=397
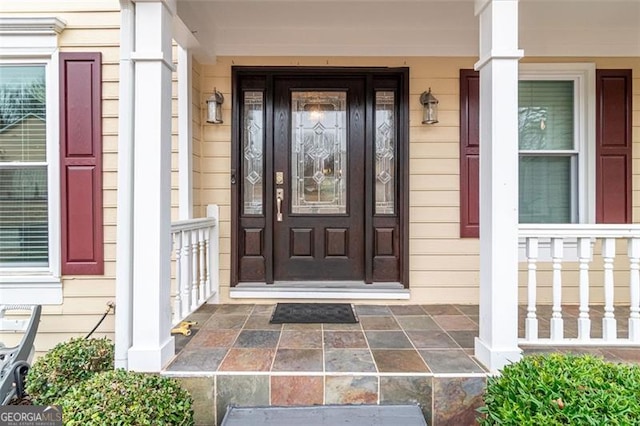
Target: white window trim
x=35, y=41
x=584, y=76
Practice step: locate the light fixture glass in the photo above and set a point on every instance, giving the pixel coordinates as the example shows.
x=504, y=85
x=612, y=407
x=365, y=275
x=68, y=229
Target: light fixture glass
x=430, y=108
x=214, y=107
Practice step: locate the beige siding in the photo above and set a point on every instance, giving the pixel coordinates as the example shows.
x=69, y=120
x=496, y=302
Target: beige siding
x=443, y=267
x=85, y=297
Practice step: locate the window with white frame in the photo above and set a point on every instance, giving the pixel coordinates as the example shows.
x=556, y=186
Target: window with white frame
x=29, y=164
x=24, y=234
x=556, y=146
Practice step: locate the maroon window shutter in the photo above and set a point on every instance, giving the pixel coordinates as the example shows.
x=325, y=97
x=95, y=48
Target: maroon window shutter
x=81, y=163
x=469, y=153
x=613, y=146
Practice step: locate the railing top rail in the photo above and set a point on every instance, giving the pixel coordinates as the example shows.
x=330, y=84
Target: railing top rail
x=579, y=230
x=191, y=224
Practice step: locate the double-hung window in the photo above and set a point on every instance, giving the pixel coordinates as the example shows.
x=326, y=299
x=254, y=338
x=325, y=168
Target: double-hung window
x=29, y=161
x=556, y=146
x=24, y=184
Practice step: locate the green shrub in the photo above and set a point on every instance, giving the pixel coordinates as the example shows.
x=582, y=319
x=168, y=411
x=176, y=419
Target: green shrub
x=120, y=397
x=52, y=375
x=559, y=389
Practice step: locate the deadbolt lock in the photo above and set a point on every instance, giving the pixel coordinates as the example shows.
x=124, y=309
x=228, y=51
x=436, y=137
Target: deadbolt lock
x=279, y=178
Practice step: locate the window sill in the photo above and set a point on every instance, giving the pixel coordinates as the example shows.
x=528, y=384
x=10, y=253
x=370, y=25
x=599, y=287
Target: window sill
x=31, y=290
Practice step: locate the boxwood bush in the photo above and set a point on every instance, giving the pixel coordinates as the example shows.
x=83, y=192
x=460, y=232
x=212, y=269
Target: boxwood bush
x=563, y=389
x=120, y=397
x=68, y=363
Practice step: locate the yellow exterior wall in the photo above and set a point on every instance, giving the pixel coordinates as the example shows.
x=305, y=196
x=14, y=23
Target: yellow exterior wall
x=97, y=29
x=443, y=267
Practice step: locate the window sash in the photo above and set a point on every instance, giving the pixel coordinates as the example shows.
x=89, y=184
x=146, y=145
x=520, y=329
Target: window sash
x=25, y=174
x=549, y=150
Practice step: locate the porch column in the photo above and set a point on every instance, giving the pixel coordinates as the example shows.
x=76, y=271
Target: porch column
x=497, y=344
x=152, y=345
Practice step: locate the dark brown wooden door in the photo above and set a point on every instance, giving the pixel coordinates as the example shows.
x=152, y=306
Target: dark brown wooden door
x=319, y=175
x=319, y=172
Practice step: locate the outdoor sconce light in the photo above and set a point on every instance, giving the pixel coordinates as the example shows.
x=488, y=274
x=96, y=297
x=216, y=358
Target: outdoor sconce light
x=214, y=107
x=430, y=108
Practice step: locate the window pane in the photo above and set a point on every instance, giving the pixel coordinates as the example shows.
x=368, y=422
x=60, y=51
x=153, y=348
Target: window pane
x=23, y=216
x=385, y=152
x=545, y=115
x=253, y=143
x=545, y=189
x=319, y=153
x=22, y=114
x=23, y=187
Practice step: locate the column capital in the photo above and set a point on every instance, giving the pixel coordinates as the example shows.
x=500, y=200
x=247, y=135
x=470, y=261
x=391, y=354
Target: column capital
x=169, y=4
x=480, y=5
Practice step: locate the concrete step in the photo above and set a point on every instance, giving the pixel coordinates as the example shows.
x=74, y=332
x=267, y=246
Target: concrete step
x=325, y=415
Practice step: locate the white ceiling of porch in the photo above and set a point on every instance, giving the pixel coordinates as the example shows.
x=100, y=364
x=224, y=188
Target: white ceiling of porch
x=404, y=27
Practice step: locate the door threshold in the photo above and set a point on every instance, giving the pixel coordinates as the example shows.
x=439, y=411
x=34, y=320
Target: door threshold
x=320, y=290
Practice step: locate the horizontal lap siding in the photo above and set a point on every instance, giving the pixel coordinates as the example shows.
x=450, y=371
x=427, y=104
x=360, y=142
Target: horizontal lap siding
x=85, y=297
x=443, y=267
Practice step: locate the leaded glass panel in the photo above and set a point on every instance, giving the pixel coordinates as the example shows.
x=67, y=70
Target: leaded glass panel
x=319, y=153
x=385, y=146
x=252, y=152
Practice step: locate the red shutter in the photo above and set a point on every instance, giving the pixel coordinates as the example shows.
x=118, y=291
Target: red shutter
x=613, y=146
x=81, y=163
x=469, y=153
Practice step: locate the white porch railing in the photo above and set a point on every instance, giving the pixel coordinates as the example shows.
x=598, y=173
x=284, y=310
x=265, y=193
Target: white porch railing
x=195, y=247
x=595, y=249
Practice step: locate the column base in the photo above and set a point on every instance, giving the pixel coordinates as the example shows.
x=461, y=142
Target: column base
x=151, y=360
x=495, y=359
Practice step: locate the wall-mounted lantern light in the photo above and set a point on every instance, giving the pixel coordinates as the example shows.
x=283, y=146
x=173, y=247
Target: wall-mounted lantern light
x=214, y=107
x=430, y=108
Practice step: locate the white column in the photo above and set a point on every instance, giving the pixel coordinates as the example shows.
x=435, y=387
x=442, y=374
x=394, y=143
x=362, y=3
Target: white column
x=124, y=236
x=497, y=344
x=185, y=117
x=153, y=345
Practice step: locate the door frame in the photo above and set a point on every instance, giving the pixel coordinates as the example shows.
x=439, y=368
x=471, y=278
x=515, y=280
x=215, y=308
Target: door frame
x=266, y=77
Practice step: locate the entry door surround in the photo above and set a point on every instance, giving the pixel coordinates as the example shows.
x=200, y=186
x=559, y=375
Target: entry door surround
x=319, y=176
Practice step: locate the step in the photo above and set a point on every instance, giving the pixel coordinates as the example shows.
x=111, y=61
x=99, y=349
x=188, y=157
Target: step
x=325, y=415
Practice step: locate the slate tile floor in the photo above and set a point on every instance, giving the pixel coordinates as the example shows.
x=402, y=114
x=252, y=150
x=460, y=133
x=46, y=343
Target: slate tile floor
x=395, y=354
x=388, y=338
x=392, y=339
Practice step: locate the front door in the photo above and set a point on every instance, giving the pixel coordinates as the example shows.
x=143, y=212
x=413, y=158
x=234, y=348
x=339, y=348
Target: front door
x=318, y=183
x=319, y=143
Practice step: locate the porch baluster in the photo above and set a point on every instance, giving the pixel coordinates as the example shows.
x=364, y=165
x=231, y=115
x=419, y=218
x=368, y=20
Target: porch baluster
x=633, y=251
x=531, y=324
x=194, y=270
x=609, y=321
x=557, y=253
x=185, y=273
x=177, y=302
x=200, y=232
x=584, y=255
x=207, y=249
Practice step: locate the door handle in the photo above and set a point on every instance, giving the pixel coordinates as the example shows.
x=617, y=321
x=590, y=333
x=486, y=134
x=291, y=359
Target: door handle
x=279, y=197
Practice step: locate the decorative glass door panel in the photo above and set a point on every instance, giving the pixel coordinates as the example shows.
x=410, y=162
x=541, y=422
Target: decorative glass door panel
x=319, y=153
x=252, y=149
x=385, y=146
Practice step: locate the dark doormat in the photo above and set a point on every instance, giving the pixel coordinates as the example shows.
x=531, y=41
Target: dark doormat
x=308, y=313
